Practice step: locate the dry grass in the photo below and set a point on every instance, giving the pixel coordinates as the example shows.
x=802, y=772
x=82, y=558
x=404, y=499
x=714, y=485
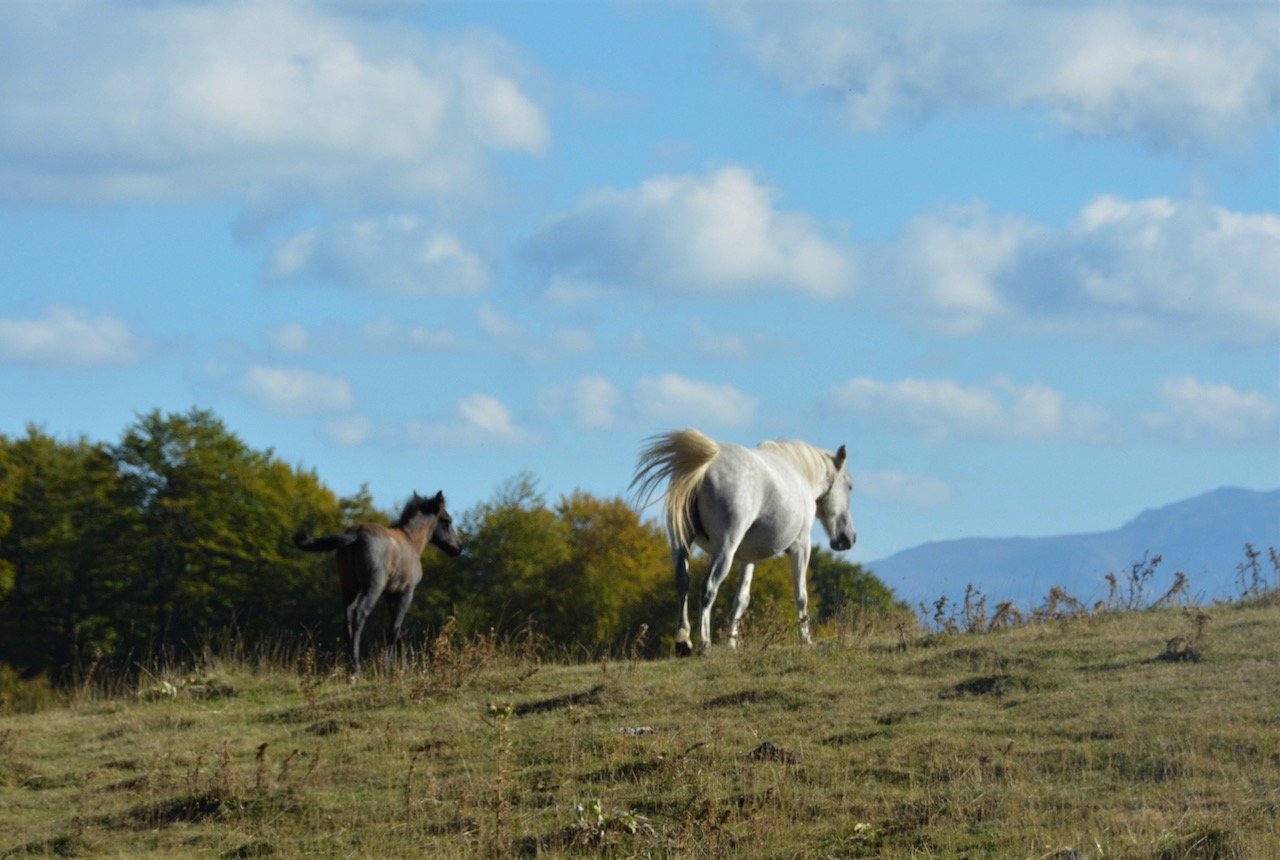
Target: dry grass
x=1071, y=735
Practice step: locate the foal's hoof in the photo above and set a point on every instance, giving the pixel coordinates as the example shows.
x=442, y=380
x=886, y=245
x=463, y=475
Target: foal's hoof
x=684, y=649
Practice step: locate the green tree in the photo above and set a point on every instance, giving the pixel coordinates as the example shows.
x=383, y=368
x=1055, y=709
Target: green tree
x=511, y=545
x=617, y=573
x=210, y=530
x=61, y=580
x=835, y=583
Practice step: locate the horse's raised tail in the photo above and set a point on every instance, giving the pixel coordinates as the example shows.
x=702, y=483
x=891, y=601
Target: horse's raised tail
x=325, y=543
x=681, y=459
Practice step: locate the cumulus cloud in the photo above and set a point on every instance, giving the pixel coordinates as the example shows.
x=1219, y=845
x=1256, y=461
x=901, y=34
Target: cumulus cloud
x=678, y=400
x=1207, y=412
x=395, y=255
x=894, y=486
x=288, y=337
x=943, y=408
x=714, y=233
x=261, y=100
x=1120, y=267
x=69, y=338
x=381, y=335
x=296, y=392
x=592, y=402
x=477, y=419
x=1174, y=76
x=348, y=432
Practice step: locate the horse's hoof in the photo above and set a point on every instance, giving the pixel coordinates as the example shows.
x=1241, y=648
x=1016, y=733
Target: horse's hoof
x=684, y=649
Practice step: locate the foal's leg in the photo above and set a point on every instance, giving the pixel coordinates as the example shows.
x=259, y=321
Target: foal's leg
x=799, y=567
x=398, y=604
x=357, y=614
x=680, y=561
x=740, y=602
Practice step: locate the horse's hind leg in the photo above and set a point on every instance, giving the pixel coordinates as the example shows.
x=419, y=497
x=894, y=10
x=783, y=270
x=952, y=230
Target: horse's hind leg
x=740, y=602
x=680, y=560
x=721, y=561
x=357, y=614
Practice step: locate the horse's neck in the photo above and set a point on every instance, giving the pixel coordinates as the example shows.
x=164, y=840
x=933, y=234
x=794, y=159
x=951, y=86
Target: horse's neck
x=417, y=530
x=818, y=483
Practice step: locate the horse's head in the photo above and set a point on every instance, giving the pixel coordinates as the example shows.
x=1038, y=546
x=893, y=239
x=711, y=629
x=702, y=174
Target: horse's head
x=443, y=536
x=833, y=505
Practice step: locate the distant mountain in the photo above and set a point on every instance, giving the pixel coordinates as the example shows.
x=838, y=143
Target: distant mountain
x=1203, y=537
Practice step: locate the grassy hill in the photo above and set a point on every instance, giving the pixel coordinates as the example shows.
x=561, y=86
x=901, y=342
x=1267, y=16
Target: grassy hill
x=1141, y=734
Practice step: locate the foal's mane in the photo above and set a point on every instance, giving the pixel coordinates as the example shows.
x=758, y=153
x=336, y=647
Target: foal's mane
x=814, y=463
x=409, y=512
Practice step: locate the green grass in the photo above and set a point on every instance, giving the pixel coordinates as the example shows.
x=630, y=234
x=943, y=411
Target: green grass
x=1083, y=737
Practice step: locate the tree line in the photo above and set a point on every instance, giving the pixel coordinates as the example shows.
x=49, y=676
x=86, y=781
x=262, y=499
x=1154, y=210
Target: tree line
x=180, y=532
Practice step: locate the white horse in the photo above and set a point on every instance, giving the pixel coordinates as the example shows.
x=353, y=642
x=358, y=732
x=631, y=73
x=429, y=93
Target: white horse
x=743, y=503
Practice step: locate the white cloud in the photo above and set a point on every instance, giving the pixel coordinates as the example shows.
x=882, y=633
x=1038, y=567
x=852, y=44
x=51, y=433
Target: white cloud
x=597, y=403
x=384, y=334
x=1207, y=412
x=944, y=267
x=1121, y=267
x=261, y=100
x=718, y=233
x=591, y=402
x=943, y=408
x=69, y=338
x=477, y=419
x=394, y=255
x=1174, y=76
x=677, y=400
x=291, y=391
x=288, y=337
x=349, y=432
x=893, y=486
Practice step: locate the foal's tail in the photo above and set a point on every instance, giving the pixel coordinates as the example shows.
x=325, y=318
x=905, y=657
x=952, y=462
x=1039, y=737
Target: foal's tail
x=681, y=459
x=324, y=543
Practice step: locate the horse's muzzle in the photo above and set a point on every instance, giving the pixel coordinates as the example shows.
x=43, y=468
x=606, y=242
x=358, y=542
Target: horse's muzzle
x=842, y=543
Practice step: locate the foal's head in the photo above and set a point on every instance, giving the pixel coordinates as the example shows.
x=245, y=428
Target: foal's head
x=443, y=535
x=833, y=505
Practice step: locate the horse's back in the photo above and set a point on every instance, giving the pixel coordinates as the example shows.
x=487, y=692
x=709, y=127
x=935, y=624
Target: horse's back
x=747, y=493
x=379, y=554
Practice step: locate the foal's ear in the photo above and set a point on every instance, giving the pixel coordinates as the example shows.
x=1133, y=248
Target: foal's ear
x=439, y=499
x=841, y=456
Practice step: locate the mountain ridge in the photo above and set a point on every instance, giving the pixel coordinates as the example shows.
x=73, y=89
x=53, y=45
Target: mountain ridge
x=1203, y=536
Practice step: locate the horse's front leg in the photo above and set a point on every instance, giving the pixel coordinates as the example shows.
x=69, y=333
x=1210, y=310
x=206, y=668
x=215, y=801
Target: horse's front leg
x=680, y=561
x=398, y=604
x=799, y=555
x=740, y=602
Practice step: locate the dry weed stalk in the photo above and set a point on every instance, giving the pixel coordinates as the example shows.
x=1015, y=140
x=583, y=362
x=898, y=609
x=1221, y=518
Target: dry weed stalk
x=1249, y=574
x=260, y=774
x=1180, y=583
x=499, y=718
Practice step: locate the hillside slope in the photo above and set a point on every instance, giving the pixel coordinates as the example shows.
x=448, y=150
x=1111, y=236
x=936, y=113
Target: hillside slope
x=1203, y=537
x=1071, y=738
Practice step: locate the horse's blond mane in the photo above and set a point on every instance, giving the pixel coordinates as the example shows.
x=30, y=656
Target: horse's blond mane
x=814, y=463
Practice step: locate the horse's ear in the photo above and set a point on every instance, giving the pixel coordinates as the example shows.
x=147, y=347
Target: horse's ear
x=439, y=499
x=841, y=456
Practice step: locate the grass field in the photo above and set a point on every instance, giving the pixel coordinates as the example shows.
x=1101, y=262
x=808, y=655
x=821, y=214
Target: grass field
x=1144, y=734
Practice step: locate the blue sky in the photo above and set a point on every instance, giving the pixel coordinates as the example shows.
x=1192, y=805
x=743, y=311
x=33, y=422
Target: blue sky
x=1024, y=259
